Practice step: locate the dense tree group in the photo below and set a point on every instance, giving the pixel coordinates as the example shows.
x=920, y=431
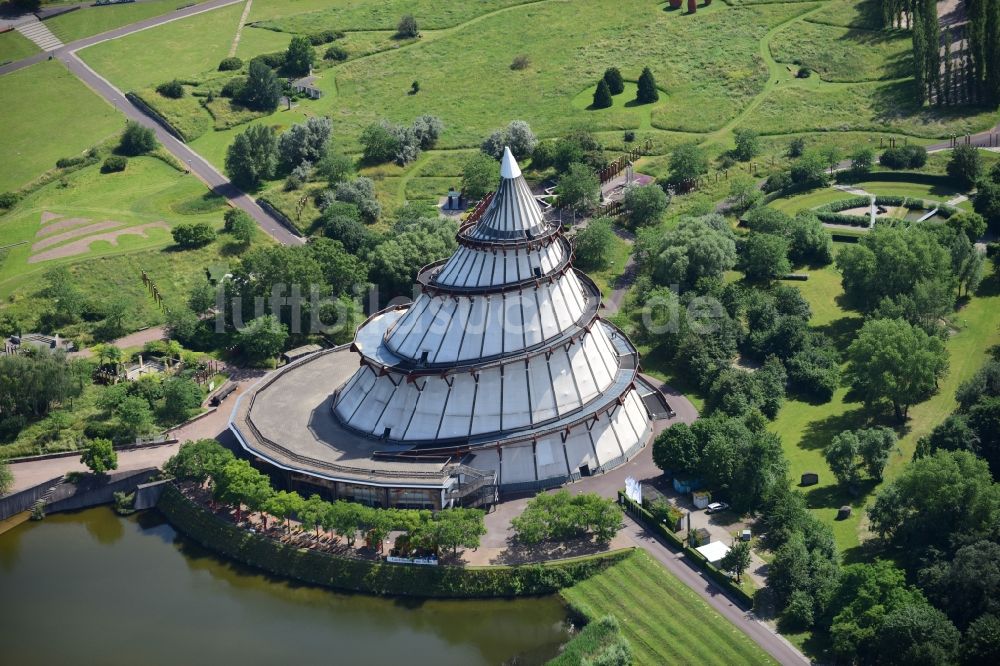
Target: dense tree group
x=560, y=516
x=384, y=141
x=237, y=483
x=517, y=136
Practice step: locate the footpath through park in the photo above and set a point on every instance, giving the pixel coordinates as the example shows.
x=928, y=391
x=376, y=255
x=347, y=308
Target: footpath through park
x=194, y=162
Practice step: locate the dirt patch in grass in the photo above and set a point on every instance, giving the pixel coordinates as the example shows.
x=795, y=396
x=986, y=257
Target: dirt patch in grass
x=75, y=233
x=83, y=245
x=59, y=226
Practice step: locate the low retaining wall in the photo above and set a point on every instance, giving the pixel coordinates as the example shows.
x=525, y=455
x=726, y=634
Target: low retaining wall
x=318, y=568
x=147, y=495
x=25, y=499
x=94, y=490
x=78, y=453
x=155, y=115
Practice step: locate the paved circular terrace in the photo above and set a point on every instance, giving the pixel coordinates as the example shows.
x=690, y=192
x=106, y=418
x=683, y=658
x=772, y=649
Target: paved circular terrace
x=288, y=420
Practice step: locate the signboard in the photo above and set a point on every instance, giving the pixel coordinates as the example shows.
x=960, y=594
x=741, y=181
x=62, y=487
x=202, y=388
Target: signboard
x=633, y=490
x=427, y=561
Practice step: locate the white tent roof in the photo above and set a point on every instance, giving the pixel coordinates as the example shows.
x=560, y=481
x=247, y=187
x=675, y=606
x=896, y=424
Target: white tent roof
x=513, y=213
x=714, y=551
x=452, y=328
x=472, y=267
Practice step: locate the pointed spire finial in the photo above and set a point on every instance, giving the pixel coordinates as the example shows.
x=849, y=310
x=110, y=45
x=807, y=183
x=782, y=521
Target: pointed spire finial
x=508, y=167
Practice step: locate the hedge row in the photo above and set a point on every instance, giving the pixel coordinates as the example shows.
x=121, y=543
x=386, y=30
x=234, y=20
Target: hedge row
x=844, y=204
x=720, y=577
x=881, y=200
x=342, y=573
x=841, y=218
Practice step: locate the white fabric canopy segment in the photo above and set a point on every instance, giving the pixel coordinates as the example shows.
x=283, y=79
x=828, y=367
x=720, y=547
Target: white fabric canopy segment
x=513, y=213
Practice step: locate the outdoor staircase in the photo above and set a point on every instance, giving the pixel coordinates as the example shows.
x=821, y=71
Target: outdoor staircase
x=43, y=501
x=39, y=33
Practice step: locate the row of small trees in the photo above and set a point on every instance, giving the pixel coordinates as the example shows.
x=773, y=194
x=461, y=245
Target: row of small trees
x=237, y=483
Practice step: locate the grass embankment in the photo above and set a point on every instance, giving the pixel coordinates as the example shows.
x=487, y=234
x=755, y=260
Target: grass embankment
x=89, y=21
x=664, y=621
x=14, y=46
x=48, y=114
x=593, y=641
x=149, y=197
x=318, y=568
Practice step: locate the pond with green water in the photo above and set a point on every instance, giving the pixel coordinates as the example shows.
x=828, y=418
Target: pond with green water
x=93, y=588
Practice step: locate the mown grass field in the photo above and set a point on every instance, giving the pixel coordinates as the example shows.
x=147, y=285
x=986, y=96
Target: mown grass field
x=14, y=46
x=305, y=16
x=48, y=114
x=180, y=49
x=89, y=21
x=664, y=621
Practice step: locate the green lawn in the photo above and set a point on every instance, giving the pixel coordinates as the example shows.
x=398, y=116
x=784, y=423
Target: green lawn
x=916, y=190
x=664, y=621
x=569, y=44
x=810, y=199
x=48, y=114
x=94, y=20
x=850, y=14
x=844, y=54
x=605, y=279
x=872, y=107
x=306, y=16
x=148, y=191
x=14, y=46
x=180, y=49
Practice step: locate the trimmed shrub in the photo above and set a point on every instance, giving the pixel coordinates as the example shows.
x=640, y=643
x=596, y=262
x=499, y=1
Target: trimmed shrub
x=777, y=182
x=904, y=157
x=272, y=60
x=137, y=139
x=325, y=37
x=602, y=96
x=233, y=86
x=616, y=84
x=335, y=52
x=9, y=199
x=172, y=89
x=193, y=235
x=79, y=160
x=520, y=62
x=230, y=64
x=114, y=163
x=407, y=28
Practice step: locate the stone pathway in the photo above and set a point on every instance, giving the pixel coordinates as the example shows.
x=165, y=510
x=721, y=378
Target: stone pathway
x=39, y=33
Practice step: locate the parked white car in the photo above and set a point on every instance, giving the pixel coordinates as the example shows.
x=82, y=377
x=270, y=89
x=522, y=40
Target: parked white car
x=715, y=507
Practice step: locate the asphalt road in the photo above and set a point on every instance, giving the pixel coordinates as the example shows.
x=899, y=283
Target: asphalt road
x=197, y=165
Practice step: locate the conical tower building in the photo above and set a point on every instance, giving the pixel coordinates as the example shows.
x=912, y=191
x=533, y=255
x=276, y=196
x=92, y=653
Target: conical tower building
x=501, y=366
